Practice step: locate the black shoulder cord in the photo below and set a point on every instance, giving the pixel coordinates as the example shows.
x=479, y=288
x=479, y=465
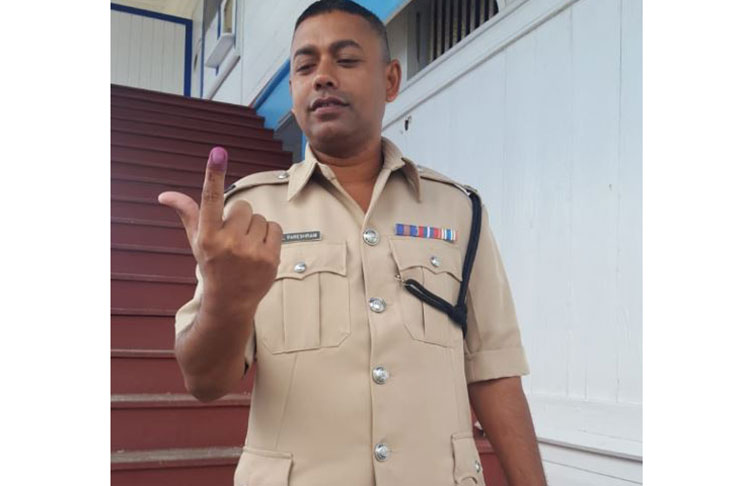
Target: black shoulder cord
x=456, y=312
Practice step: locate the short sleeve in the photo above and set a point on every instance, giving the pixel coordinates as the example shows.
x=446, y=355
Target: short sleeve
x=187, y=313
x=493, y=347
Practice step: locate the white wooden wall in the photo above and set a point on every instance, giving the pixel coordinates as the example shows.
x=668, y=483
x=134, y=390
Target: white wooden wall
x=147, y=53
x=541, y=111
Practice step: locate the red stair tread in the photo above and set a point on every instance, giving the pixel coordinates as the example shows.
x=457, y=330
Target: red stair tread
x=263, y=152
x=195, y=103
x=156, y=107
x=195, y=135
x=195, y=162
x=163, y=118
x=156, y=458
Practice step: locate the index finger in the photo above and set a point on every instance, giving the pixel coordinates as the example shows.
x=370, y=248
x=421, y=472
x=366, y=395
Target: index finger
x=212, y=196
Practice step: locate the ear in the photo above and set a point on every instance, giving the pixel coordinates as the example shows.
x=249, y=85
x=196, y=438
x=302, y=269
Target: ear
x=393, y=79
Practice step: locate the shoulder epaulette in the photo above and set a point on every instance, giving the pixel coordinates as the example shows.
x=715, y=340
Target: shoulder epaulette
x=427, y=173
x=256, y=179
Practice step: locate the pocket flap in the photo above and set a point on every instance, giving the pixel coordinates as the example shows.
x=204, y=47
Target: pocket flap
x=262, y=467
x=435, y=255
x=467, y=470
x=299, y=260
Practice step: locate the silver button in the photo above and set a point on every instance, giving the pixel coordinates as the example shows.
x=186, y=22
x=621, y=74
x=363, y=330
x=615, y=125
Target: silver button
x=435, y=261
x=377, y=305
x=382, y=451
x=283, y=175
x=477, y=466
x=371, y=237
x=380, y=375
x=300, y=267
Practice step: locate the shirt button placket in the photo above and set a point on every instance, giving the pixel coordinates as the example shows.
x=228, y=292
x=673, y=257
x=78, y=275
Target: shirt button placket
x=382, y=451
x=377, y=304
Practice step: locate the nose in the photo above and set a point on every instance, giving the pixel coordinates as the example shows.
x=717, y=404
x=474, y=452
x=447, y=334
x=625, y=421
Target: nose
x=323, y=77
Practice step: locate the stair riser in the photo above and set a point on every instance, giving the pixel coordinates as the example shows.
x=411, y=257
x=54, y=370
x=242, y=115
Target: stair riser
x=195, y=163
x=126, y=93
x=131, y=374
x=145, y=263
x=149, y=189
x=142, y=332
x=161, y=118
x=154, y=211
x=201, y=149
x=222, y=475
x=147, y=375
x=193, y=135
x=156, y=107
x=124, y=169
x=149, y=295
x=132, y=234
x=178, y=427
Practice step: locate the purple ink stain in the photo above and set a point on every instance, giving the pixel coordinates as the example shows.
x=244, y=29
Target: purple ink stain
x=217, y=159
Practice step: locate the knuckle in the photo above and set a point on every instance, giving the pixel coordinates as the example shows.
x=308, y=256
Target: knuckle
x=211, y=196
x=207, y=243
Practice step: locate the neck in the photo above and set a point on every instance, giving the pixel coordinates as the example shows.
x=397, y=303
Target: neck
x=358, y=168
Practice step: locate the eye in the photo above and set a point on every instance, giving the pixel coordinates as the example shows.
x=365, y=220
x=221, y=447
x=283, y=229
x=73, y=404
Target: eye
x=304, y=67
x=347, y=61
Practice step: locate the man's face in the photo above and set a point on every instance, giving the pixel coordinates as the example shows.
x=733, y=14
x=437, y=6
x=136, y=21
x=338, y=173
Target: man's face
x=339, y=81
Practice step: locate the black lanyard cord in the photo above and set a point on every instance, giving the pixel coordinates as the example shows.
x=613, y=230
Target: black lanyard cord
x=457, y=312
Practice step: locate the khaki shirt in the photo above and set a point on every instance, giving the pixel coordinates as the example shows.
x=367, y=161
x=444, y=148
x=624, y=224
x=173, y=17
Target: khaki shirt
x=359, y=382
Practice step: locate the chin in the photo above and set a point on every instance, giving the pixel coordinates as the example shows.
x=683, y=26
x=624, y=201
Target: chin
x=328, y=136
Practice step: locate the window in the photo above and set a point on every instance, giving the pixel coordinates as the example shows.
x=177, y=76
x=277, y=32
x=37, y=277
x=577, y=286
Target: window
x=433, y=27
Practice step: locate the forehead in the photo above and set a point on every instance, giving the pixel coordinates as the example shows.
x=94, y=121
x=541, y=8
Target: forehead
x=324, y=29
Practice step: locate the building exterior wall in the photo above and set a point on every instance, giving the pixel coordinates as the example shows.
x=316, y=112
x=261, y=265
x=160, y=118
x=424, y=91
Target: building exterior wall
x=148, y=52
x=540, y=110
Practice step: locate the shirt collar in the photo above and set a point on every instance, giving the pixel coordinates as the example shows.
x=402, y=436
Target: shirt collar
x=301, y=172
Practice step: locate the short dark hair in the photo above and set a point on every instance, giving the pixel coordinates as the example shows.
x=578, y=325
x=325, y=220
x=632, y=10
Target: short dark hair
x=348, y=6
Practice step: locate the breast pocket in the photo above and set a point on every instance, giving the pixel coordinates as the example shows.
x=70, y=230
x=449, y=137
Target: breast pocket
x=308, y=306
x=436, y=265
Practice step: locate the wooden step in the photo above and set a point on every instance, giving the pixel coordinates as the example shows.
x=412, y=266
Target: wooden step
x=152, y=260
x=156, y=107
x=155, y=371
x=133, y=231
x=165, y=119
x=184, y=175
x=142, y=332
x=146, y=187
x=119, y=91
x=130, y=207
x=146, y=156
x=194, y=135
x=146, y=370
x=258, y=152
x=160, y=421
x=150, y=291
x=208, y=466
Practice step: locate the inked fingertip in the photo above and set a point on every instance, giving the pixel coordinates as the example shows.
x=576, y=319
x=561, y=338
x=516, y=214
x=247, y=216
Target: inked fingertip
x=217, y=158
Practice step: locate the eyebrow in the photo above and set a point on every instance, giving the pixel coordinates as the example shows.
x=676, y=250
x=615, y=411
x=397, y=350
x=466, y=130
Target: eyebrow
x=333, y=47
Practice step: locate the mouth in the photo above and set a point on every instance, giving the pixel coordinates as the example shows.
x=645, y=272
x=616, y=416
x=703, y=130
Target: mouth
x=327, y=104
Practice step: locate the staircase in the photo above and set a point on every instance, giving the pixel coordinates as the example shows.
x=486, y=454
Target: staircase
x=160, y=434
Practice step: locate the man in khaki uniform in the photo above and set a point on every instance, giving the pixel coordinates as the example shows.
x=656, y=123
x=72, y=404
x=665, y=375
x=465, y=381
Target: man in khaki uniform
x=359, y=382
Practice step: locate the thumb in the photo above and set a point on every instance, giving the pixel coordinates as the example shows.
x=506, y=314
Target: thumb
x=186, y=208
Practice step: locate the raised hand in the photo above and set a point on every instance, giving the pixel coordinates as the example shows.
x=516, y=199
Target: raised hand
x=238, y=255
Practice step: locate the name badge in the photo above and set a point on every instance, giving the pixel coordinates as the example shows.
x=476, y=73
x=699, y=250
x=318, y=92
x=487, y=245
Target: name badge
x=302, y=236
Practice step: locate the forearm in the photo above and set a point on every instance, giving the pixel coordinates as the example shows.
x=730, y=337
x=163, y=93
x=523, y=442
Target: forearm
x=501, y=408
x=210, y=351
